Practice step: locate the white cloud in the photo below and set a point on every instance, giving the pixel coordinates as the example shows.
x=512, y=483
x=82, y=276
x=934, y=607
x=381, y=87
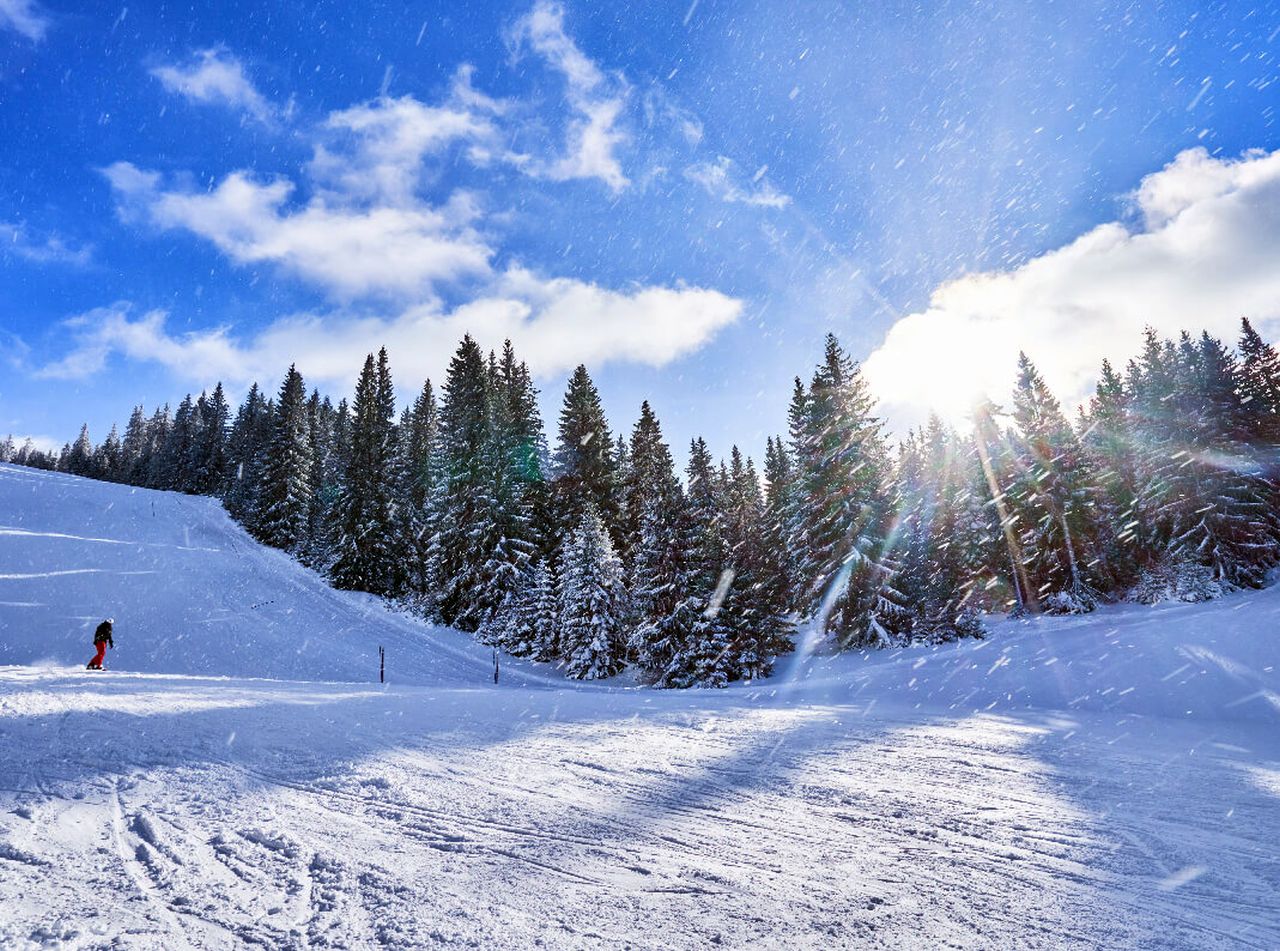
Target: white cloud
x=554, y=323
x=464, y=93
x=720, y=179
x=379, y=147
x=49, y=249
x=559, y=322
x=215, y=75
x=349, y=251
x=26, y=17
x=106, y=330
x=1204, y=256
x=357, y=225
x=596, y=98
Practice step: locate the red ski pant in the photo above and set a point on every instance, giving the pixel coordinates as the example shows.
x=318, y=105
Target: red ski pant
x=102, y=652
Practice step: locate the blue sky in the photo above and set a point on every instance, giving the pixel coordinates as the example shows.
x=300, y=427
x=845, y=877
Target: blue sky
x=684, y=196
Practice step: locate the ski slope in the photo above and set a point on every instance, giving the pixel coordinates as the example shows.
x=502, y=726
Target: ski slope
x=191, y=593
x=1106, y=781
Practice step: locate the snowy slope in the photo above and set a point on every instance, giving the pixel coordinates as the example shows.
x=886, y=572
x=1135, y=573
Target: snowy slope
x=1108, y=781
x=1214, y=661
x=191, y=593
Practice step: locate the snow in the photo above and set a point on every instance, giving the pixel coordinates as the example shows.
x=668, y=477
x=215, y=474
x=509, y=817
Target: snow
x=191, y=593
x=1109, y=780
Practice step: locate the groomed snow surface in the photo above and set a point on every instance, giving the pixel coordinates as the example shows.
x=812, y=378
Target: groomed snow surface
x=1108, y=781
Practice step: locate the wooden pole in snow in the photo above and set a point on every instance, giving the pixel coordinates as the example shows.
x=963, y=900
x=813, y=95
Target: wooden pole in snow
x=382, y=665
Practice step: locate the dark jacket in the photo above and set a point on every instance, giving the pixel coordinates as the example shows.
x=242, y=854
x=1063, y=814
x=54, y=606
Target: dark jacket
x=103, y=633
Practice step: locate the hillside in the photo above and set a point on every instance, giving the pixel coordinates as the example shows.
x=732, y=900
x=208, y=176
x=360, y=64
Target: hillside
x=191, y=593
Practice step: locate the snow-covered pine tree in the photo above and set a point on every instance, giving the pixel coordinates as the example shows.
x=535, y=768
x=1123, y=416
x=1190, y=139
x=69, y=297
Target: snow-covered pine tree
x=1054, y=493
x=526, y=624
x=758, y=627
x=841, y=506
x=158, y=427
x=208, y=459
x=1259, y=381
x=1240, y=531
x=107, y=460
x=1206, y=517
x=246, y=450
x=934, y=573
x=134, y=448
x=416, y=473
x=8, y=451
x=284, y=512
x=1108, y=438
x=779, y=477
x=793, y=513
x=592, y=601
x=706, y=658
x=585, y=461
x=320, y=415
x=79, y=460
x=174, y=456
x=539, y=622
x=666, y=608
x=622, y=456
x=461, y=504
x=512, y=457
x=364, y=547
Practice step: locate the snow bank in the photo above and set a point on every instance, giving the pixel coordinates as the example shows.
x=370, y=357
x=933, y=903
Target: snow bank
x=1214, y=661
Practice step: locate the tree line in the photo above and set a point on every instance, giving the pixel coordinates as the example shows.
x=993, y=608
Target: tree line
x=597, y=555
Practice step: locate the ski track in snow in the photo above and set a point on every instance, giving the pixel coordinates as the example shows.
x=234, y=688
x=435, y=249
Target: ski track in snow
x=1108, y=781
x=416, y=816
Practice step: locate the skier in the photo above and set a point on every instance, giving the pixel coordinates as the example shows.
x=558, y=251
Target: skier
x=101, y=641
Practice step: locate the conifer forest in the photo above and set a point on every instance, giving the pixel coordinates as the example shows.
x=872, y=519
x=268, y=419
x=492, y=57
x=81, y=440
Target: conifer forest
x=596, y=552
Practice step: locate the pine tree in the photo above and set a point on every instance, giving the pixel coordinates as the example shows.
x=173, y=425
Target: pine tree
x=365, y=549
x=1108, y=437
x=159, y=473
x=79, y=460
x=8, y=452
x=585, y=462
x=1259, y=383
x=1203, y=500
x=246, y=451
x=779, y=478
x=174, y=461
x=416, y=474
x=935, y=567
x=135, y=449
x=284, y=515
x=526, y=622
x=208, y=461
x=513, y=460
x=756, y=624
x=841, y=509
x=320, y=423
x=592, y=602
x=462, y=497
x=667, y=611
x=109, y=456
x=705, y=658
x=1054, y=494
